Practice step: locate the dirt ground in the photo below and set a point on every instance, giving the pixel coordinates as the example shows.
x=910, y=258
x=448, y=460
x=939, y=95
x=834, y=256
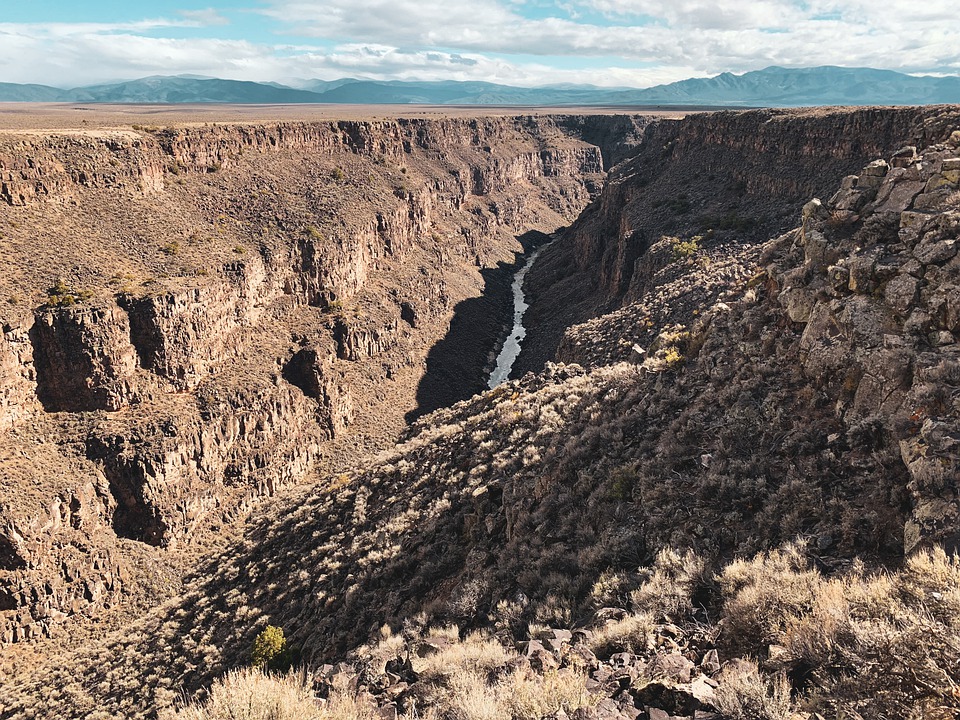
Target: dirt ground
x=26, y=117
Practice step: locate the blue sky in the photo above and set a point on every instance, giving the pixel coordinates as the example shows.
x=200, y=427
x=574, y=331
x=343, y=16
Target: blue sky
x=523, y=42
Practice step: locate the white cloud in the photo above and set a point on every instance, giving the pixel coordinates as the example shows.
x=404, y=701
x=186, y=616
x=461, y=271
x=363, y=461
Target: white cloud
x=641, y=42
x=709, y=35
x=207, y=17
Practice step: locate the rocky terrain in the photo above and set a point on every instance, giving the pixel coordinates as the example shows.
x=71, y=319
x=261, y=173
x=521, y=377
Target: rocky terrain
x=195, y=317
x=732, y=496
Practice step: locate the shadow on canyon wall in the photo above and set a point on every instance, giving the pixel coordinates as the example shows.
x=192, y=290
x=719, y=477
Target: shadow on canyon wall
x=458, y=366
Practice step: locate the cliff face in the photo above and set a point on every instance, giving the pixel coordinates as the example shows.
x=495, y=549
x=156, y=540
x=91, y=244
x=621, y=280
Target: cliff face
x=197, y=316
x=725, y=179
x=818, y=399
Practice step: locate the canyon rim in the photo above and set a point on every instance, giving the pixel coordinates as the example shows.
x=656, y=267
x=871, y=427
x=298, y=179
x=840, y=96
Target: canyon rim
x=243, y=384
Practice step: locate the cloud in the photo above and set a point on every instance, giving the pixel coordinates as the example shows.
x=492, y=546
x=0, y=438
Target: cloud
x=522, y=42
x=207, y=17
x=710, y=35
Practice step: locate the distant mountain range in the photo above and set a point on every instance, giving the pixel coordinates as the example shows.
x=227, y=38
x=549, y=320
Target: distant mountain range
x=771, y=87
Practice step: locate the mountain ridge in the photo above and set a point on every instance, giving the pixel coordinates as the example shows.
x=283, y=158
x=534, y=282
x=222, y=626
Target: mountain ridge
x=771, y=87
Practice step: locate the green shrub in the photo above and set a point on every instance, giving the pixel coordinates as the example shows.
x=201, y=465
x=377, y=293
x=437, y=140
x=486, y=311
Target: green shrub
x=62, y=295
x=270, y=650
x=683, y=249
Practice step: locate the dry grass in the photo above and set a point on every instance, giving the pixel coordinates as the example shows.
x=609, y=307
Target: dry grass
x=884, y=644
x=252, y=694
x=745, y=693
x=479, y=679
x=671, y=583
x=632, y=633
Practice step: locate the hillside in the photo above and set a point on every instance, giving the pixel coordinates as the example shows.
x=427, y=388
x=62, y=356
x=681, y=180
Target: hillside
x=728, y=499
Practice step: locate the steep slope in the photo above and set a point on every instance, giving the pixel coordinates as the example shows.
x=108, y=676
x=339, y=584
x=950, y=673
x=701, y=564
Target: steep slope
x=820, y=400
x=194, y=318
x=722, y=180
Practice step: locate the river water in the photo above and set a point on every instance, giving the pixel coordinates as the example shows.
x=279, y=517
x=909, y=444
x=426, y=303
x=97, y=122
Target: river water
x=511, y=347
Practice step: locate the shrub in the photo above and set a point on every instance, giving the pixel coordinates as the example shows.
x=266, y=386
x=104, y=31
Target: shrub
x=62, y=295
x=672, y=584
x=251, y=694
x=761, y=594
x=270, y=650
x=745, y=694
x=682, y=249
x=633, y=633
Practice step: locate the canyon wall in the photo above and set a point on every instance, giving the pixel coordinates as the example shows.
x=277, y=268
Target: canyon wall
x=815, y=407
x=720, y=179
x=196, y=316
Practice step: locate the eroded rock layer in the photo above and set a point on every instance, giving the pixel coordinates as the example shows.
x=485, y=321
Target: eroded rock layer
x=719, y=180
x=195, y=317
x=817, y=399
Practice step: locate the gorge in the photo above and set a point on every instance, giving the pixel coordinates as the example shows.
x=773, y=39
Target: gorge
x=248, y=387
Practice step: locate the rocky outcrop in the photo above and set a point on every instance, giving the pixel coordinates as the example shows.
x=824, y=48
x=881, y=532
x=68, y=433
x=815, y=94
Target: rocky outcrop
x=186, y=334
x=17, y=379
x=730, y=178
x=232, y=300
x=58, y=563
x=878, y=294
x=83, y=358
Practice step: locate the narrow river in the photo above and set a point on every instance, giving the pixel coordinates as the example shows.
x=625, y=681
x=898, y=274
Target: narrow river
x=511, y=347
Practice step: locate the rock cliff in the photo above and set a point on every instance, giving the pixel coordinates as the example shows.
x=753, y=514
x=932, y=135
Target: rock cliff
x=195, y=317
x=815, y=399
x=727, y=179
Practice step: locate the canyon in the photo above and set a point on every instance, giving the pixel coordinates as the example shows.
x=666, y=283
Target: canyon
x=243, y=367
x=194, y=317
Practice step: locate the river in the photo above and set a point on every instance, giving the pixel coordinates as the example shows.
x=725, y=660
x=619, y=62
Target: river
x=511, y=346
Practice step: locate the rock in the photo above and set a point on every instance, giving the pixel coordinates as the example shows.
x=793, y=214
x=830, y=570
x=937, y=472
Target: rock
x=557, y=639
x=814, y=210
x=936, y=252
x=818, y=252
x=433, y=645
x=904, y=157
x=533, y=646
x=673, y=699
x=702, y=688
x=838, y=276
x=897, y=197
x=674, y=667
x=902, y=293
x=542, y=661
x=637, y=354
x=877, y=168
x=798, y=303
x=711, y=662
x=861, y=269
x=778, y=657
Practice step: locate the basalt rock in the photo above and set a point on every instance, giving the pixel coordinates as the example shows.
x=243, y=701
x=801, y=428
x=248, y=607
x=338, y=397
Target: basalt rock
x=727, y=180
x=225, y=305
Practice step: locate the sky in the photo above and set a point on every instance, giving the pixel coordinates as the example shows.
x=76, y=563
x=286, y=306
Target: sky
x=633, y=43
